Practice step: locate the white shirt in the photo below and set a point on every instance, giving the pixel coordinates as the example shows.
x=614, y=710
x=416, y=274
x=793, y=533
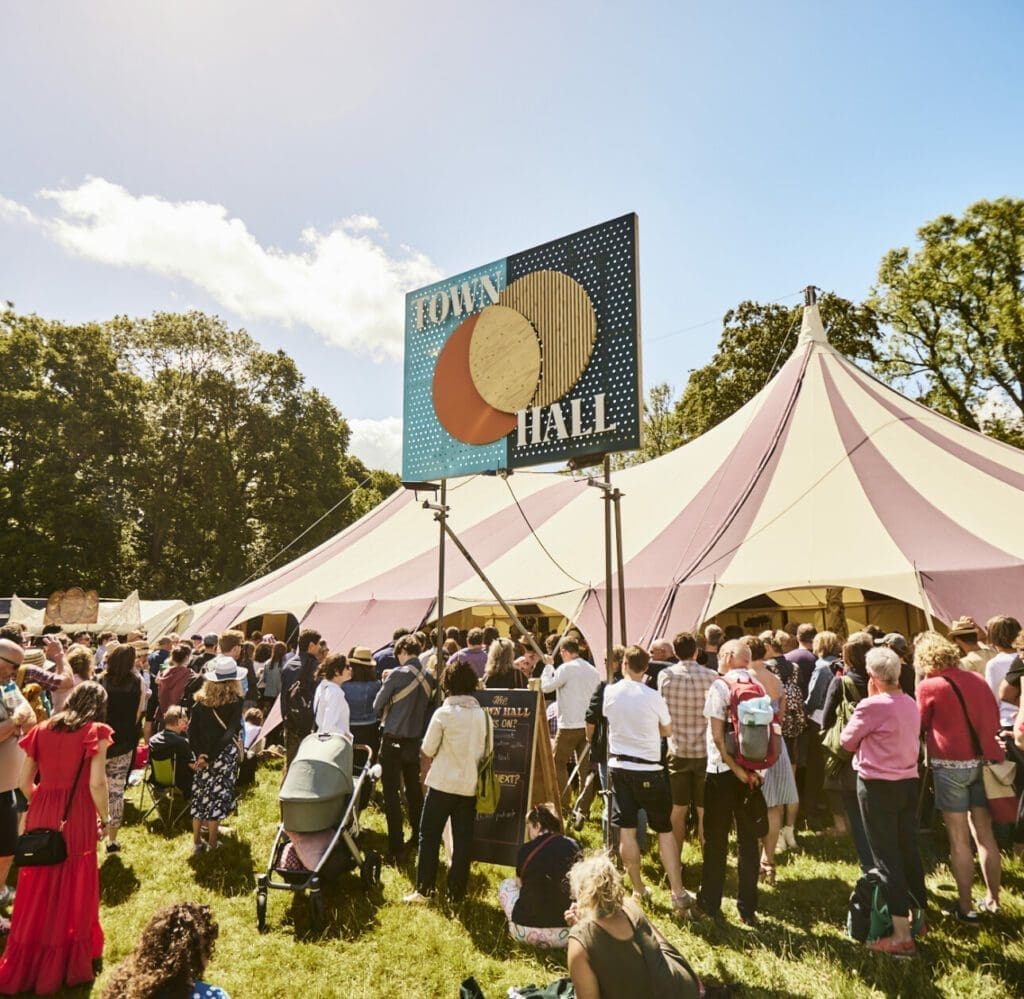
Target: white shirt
x=716, y=705
x=330, y=708
x=574, y=683
x=634, y=712
x=995, y=672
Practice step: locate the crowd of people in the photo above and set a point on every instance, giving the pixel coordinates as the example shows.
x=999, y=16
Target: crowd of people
x=694, y=737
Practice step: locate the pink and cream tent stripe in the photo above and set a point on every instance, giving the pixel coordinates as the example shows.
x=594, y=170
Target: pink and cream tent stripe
x=827, y=477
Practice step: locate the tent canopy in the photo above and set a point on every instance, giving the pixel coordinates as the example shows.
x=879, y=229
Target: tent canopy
x=827, y=477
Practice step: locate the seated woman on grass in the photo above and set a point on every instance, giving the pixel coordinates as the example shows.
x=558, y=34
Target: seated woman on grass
x=536, y=899
x=613, y=949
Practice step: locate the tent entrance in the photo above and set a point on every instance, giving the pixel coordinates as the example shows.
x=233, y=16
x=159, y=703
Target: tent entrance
x=538, y=619
x=778, y=608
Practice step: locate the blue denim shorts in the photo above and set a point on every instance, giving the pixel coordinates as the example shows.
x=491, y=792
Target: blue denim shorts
x=959, y=789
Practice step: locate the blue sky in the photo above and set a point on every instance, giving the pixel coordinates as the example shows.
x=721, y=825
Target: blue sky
x=296, y=167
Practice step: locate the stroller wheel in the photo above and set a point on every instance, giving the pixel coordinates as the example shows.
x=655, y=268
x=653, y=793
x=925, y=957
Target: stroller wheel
x=369, y=873
x=261, y=911
x=317, y=912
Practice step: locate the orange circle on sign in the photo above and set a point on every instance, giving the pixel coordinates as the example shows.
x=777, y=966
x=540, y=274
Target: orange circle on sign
x=460, y=408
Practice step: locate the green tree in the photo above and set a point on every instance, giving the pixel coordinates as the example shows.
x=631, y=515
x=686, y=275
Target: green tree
x=954, y=307
x=71, y=428
x=756, y=341
x=662, y=430
x=169, y=454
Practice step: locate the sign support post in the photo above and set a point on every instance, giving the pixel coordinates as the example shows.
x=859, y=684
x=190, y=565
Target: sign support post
x=442, y=516
x=620, y=566
x=609, y=612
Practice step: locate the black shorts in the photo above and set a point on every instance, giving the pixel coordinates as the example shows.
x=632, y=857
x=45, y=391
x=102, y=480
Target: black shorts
x=636, y=789
x=8, y=824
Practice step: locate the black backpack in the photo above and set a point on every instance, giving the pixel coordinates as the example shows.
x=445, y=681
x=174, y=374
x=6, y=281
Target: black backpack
x=868, y=916
x=299, y=719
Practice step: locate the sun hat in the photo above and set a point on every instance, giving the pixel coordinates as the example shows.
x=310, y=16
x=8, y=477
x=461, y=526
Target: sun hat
x=34, y=657
x=962, y=627
x=222, y=668
x=361, y=656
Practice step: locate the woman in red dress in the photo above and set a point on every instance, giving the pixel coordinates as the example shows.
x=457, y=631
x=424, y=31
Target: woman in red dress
x=55, y=927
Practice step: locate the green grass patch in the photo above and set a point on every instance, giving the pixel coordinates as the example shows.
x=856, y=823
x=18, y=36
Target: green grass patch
x=375, y=946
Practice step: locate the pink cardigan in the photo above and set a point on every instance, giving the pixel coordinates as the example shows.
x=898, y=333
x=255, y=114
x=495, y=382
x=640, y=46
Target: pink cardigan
x=884, y=735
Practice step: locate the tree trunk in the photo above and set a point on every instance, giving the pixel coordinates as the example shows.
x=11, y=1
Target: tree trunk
x=835, y=612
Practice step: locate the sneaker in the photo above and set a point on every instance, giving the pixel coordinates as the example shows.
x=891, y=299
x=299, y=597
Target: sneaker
x=788, y=833
x=415, y=898
x=198, y=848
x=893, y=947
x=968, y=918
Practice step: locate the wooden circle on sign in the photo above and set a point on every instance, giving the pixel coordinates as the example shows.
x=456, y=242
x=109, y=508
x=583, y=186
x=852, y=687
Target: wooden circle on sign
x=460, y=409
x=504, y=358
x=561, y=312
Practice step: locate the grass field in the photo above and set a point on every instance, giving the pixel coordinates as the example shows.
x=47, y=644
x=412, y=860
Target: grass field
x=374, y=946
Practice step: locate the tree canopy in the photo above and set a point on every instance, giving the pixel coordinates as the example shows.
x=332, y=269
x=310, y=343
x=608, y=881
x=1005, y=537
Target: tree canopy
x=169, y=454
x=944, y=323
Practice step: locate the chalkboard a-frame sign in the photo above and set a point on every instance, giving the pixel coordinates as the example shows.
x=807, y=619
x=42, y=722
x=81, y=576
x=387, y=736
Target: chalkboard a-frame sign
x=525, y=769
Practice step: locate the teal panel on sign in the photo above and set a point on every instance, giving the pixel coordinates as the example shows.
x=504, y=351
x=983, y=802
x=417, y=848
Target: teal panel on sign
x=431, y=315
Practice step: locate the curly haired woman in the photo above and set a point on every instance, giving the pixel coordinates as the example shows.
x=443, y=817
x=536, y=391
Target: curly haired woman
x=173, y=952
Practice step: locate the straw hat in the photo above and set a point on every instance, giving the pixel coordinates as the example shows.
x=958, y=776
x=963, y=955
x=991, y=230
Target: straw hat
x=962, y=627
x=361, y=656
x=34, y=657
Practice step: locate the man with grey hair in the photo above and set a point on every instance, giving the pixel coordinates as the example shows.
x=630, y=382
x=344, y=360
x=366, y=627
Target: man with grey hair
x=712, y=643
x=883, y=735
x=725, y=792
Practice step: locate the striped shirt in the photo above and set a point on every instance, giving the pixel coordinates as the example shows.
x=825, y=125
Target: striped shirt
x=685, y=687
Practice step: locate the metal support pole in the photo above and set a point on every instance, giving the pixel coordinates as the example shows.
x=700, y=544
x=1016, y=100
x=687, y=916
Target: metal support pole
x=446, y=528
x=442, y=517
x=620, y=566
x=609, y=613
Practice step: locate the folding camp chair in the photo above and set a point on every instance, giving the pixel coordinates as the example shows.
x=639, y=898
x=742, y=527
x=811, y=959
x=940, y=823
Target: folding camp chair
x=160, y=782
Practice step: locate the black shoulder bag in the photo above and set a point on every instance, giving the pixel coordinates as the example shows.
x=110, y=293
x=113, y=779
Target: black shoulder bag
x=46, y=847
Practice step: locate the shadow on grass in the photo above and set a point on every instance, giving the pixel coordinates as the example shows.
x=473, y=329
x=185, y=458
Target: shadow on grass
x=117, y=882
x=227, y=870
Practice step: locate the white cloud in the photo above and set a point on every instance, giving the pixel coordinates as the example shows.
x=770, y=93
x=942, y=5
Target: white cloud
x=378, y=442
x=344, y=284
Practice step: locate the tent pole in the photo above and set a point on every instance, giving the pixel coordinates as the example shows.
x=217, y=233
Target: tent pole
x=926, y=604
x=446, y=529
x=609, y=613
x=620, y=566
x=442, y=517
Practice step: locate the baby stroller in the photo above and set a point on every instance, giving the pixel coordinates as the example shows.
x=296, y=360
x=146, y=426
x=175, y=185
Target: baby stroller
x=317, y=838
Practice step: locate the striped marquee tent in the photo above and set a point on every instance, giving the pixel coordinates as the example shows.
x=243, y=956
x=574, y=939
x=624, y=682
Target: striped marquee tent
x=827, y=477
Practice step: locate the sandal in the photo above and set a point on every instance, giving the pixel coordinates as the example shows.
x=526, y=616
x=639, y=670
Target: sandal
x=683, y=902
x=641, y=896
x=989, y=905
x=767, y=873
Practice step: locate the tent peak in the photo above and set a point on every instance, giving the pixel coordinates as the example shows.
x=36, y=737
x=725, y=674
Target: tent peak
x=811, y=328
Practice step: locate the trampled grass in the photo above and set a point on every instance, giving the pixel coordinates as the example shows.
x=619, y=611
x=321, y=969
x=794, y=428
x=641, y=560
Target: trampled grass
x=375, y=946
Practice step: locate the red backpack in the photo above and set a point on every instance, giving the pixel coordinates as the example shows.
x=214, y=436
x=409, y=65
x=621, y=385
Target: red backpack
x=753, y=747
